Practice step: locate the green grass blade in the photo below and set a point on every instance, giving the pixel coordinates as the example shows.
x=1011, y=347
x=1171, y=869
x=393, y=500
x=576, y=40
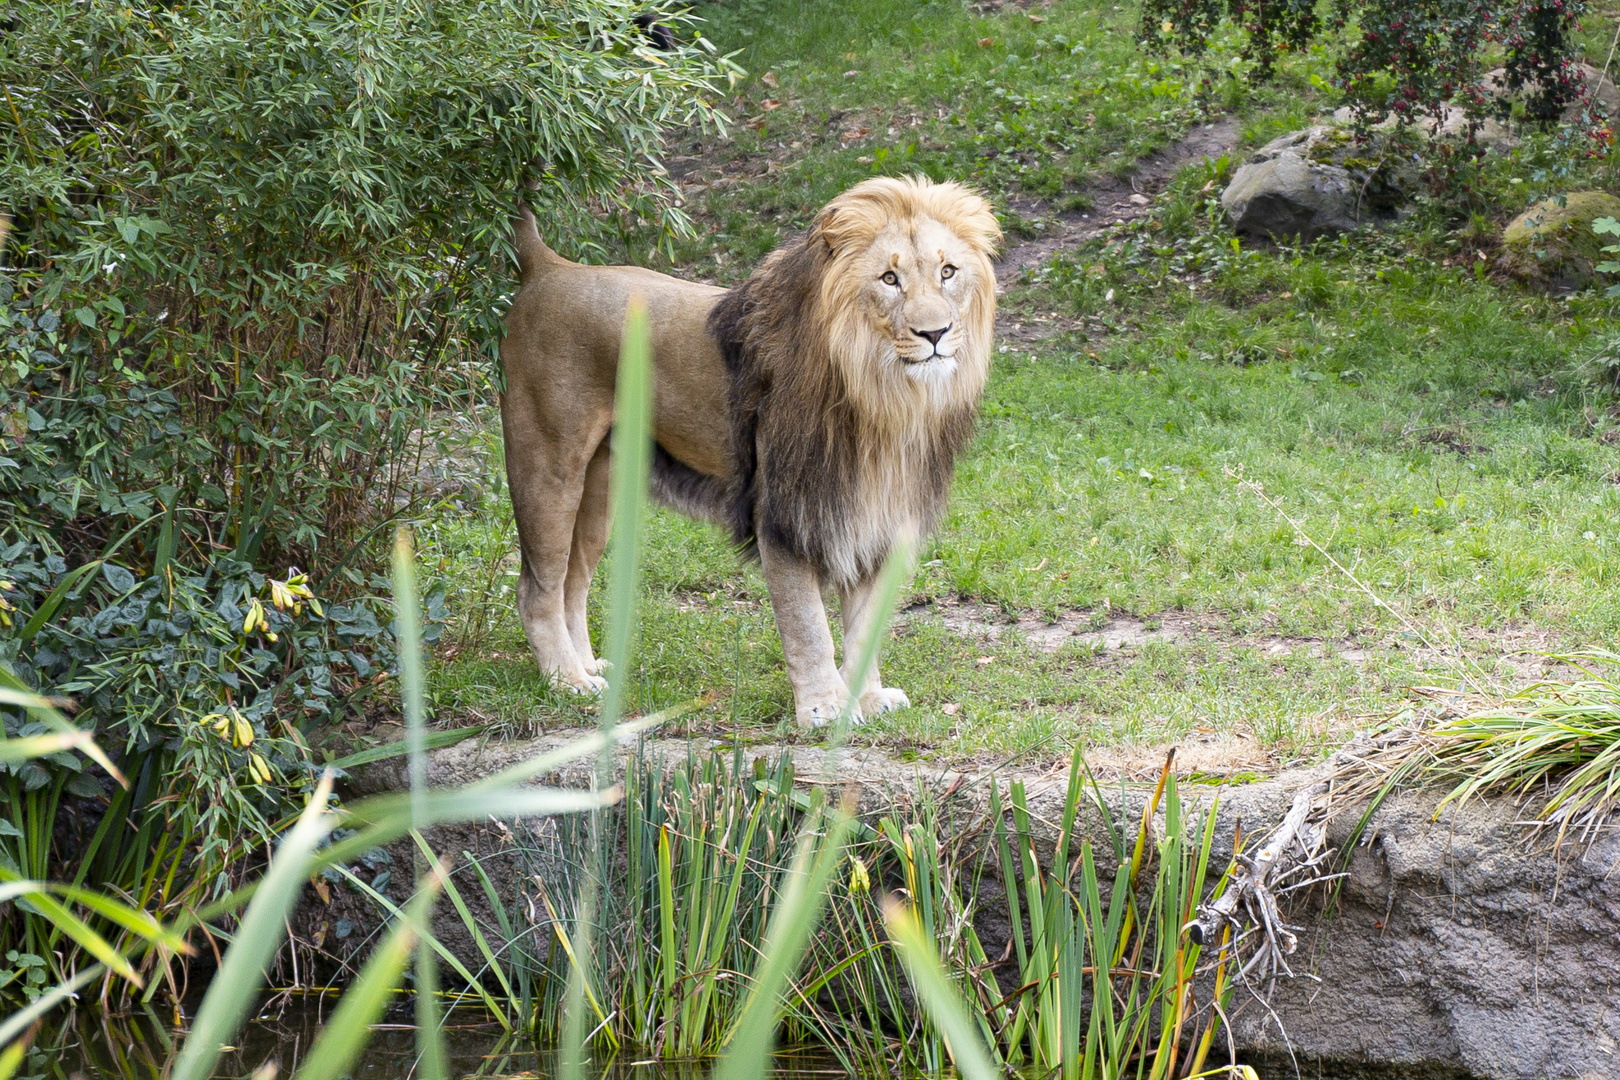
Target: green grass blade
x=631, y=467
x=753, y=1039
x=920, y=954
x=26, y=747
x=18, y=1022
x=362, y=1005
x=431, y=1062
x=236, y=985
x=432, y=740
x=409, y=644
x=38, y=895
x=394, y=911
x=17, y=692
x=54, y=599
x=11, y=1058
x=491, y=963
x=136, y=921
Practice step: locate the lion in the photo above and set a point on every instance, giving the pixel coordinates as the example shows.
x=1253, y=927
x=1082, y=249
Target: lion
x=816, y=411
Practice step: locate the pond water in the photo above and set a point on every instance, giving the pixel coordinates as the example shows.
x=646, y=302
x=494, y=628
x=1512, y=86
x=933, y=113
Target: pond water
x=90, y=1045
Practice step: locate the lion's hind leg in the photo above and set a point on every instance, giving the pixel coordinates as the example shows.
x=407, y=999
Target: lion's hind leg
x=547, y=484
x=858, y=610
x=590, y=540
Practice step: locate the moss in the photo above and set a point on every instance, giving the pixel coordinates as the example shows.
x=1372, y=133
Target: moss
x=1552, y=245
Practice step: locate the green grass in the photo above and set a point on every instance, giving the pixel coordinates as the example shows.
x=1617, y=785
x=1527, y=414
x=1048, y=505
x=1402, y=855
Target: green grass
x=1432, y=430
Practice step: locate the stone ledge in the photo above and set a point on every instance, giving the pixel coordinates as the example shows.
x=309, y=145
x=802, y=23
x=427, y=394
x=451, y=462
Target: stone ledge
x=1453, y=950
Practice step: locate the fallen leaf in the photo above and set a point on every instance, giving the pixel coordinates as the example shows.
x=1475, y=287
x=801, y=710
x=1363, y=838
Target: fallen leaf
x=770, y=80
x=323, y=891
x=851, y=74
x=986, y=42
x=1037, y=566
x=1036, y=19
x=950, y=708
x=864, y=159
x=770, y=103
x=1287, y=296
x=985, y=661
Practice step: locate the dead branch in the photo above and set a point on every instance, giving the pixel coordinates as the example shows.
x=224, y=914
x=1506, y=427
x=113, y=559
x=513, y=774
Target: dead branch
x=1296, y=849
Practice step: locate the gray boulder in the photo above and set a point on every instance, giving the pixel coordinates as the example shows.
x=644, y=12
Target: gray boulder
x=1451, y=123
x=1307, y=184
x=1599, y=91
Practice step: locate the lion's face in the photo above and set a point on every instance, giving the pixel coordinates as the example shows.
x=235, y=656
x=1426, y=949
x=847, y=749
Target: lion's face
x=915, y=282
x=910, y=295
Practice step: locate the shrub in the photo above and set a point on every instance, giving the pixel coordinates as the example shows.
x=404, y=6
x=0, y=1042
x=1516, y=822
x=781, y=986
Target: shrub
x=255, y=244
x=1406, y=57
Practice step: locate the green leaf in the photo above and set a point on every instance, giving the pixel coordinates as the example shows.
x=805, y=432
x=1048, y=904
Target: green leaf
x=38, y=896
x=433, y=740
x=235, y=986
x=118, y=577
x=920, y=954
x=364, y=1002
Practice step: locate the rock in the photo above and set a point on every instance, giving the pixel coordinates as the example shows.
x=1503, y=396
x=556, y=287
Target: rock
x=1452, y=123
x=1552, y=245
x=1307, y=184
x=1600, y=92
x=1452, y=949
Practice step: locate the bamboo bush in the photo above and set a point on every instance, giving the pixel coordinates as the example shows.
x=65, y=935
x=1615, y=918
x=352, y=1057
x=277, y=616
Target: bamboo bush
x=257, y=251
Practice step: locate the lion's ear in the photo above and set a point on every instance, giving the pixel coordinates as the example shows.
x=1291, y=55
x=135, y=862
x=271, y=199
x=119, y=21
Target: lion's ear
x=821, y=230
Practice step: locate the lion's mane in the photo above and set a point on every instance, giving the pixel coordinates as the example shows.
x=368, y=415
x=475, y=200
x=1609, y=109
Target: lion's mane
x=838, y=452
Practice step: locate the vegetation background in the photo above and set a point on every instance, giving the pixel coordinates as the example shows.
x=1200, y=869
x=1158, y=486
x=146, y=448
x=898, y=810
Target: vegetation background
x=258, y=263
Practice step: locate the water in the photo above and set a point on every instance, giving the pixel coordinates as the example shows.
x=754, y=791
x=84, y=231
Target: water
x=92, y=1045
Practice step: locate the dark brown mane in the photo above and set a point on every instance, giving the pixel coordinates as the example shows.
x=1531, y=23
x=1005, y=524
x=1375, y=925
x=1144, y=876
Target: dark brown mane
x=798, y=439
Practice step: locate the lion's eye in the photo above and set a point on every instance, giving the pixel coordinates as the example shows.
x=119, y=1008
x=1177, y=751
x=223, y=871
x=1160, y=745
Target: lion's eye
x=947, y=271
x=890, y=278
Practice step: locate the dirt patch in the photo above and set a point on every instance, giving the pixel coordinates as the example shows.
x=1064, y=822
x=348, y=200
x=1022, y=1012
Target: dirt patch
x=1115, y=200
x=1106, y=632
x=1509, y=655
x=985, y=623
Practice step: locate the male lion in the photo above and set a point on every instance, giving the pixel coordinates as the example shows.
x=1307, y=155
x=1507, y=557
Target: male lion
x=816, y=410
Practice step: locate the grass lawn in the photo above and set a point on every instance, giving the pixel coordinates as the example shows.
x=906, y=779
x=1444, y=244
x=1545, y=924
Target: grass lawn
x=1162, y=400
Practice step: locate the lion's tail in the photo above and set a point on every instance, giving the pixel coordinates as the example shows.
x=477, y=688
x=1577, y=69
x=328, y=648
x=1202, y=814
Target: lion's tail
x=533, y=256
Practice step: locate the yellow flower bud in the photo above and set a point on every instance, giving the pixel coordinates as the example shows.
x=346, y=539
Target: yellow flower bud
x=259, y=769
x=859, y=880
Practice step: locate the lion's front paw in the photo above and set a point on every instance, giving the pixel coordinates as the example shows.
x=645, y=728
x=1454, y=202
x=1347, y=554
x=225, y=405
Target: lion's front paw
x=586, y=685
x=824, y=714
x=598, y=666
x=883, y=700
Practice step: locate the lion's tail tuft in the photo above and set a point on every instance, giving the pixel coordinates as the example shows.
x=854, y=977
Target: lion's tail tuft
x=533, y=255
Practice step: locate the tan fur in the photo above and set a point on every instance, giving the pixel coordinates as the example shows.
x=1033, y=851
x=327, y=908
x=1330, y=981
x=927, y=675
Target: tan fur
x=817, y=409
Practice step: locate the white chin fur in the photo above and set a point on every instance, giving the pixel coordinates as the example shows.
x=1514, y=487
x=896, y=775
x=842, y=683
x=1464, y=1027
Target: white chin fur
x=935, y=369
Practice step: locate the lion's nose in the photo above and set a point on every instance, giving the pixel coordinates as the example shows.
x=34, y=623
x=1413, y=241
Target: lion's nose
x=932, y=336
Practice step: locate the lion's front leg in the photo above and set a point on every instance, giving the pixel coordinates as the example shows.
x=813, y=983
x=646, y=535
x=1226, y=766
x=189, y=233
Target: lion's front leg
x=819, y=693
x=858, y=612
